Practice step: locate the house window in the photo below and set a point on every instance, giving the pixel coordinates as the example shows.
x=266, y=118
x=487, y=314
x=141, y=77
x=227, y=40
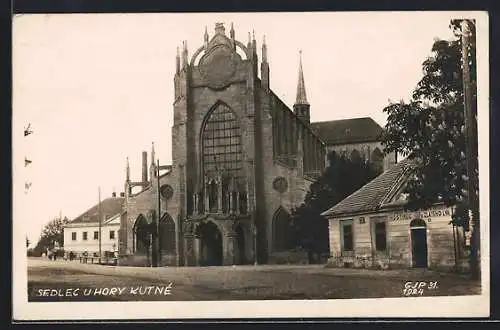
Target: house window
x=347, y=235
x=96, y=235
x=380, y=236
x=111, y=234
x=73, y=236
x=84, y=235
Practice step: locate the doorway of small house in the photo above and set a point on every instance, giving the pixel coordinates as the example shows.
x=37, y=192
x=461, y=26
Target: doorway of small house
x=418, y=230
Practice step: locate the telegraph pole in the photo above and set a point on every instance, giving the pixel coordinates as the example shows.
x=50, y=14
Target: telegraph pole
x=471, y=147
x=158, y=240
x=100, y=226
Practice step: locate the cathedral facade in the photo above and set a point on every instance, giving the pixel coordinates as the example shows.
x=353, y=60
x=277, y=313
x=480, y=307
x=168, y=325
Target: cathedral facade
x=241, y=160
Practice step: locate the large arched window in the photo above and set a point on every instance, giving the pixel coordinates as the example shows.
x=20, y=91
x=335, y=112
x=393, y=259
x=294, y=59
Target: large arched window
x=222, y=155
x=282, y=230
x=221, y=143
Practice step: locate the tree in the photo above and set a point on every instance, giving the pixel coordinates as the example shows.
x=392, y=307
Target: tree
x=341, y=178
x=52, y=232
x=433, y=134
x=431, y=128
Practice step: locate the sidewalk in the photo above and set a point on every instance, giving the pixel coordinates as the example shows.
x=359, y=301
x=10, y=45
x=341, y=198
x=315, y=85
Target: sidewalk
x=321, y=270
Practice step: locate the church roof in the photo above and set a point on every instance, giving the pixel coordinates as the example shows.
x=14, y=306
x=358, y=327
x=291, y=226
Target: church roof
x=375, y=193
x=343, y=131
x=109, y=208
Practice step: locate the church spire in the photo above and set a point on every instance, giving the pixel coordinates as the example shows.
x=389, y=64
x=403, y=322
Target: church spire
x=205, y=39
x=264, y=66
x=301, y=107
x=301, y=86
x=177, y=62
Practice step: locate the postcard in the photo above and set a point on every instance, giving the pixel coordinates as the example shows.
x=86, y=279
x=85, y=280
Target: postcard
x=249, y=165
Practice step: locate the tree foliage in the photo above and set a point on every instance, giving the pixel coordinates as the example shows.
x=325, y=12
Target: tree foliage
x=430, y=128
x=52, y=232
x=340, y=179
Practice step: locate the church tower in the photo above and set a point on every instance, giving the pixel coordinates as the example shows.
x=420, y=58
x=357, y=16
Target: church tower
x=301, y=107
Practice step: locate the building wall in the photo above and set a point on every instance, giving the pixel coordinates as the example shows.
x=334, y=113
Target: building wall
x=91, y=245
x=145, y=202
x=366, y=150
x=440, y=240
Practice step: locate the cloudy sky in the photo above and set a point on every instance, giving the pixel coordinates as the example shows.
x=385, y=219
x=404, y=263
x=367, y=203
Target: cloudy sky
x=97, y=88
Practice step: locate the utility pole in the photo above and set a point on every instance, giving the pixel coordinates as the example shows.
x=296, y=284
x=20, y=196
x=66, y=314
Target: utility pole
x=155, y=217
x=157, y=228
x=471, y=146
x=100, y=226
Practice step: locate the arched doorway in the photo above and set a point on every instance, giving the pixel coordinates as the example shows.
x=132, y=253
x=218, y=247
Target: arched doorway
x=240, y=241
x=167, y=235
x=282, y=230
x=141, y=235
x=210, y=244
x=418, y=230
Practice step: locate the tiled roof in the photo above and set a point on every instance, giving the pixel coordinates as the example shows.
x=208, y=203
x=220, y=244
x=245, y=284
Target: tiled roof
x=372, y=195
x=348, y=130
x=109, y=207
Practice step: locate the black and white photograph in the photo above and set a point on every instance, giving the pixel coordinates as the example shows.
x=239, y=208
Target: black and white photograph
x=221, y=165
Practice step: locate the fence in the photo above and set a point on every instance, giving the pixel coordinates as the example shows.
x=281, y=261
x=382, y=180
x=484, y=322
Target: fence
x=99, y=260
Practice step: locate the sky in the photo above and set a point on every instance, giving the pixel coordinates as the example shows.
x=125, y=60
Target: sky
x=97, y=88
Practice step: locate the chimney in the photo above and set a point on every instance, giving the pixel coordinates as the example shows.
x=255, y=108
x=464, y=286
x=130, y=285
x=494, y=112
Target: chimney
x=144, y=166
x=122, y=194
x=113, y=194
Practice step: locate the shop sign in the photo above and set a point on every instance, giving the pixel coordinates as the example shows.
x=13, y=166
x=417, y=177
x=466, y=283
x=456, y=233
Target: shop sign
x=426, y=215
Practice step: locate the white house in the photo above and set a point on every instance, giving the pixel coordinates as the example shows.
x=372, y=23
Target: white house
x=82, y=233
x=371, y=228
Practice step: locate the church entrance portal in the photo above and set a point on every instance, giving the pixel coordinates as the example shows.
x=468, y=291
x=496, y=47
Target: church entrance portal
x=211, y=244
x=419, y=243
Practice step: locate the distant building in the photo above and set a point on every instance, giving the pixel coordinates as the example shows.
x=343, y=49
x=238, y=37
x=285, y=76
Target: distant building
x=82, y=233
x=370, y=228
x=355, y=138
x=241, y=161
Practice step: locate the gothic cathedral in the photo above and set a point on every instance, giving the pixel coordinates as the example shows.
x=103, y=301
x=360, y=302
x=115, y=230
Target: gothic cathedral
x=241, y=160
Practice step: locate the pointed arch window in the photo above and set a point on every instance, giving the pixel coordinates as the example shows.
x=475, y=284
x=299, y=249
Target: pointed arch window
x=167, y=234
x=222, y=155
x=141, y=235
x=282, y=230
x=378, y=159
x=213, y=194
x=221, y=143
